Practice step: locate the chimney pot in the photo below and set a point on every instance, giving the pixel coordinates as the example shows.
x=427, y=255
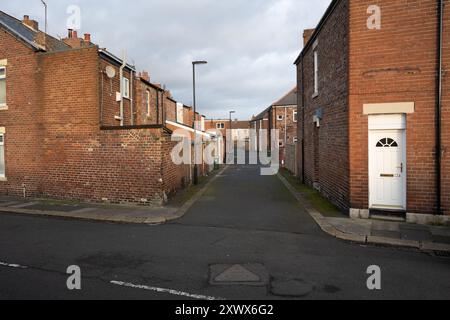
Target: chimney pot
x=87, y=37
x=26, y=18
x=75, y=34
x=69, y=34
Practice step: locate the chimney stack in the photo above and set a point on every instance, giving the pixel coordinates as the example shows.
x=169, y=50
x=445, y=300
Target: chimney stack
x=33, y=24
x=307, y=34
x=73, y=41
x=145, y=75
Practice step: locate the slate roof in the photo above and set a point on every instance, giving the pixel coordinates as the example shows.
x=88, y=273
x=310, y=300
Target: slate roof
x=28, y=35
x=263, y=115
x=290, y=99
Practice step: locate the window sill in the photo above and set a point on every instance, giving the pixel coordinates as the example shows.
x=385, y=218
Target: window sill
x=3, y=107
x=3, y=179
x=315, y=95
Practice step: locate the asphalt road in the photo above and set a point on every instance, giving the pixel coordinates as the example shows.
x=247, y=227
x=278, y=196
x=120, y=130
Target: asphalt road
x=243, y=218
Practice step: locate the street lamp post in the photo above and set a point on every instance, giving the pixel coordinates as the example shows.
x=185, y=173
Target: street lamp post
x=231, y=120
x=231, y=135
x=195, y=63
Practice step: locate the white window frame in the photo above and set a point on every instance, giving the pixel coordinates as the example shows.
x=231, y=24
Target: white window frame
x=280, y=117
x=220, y=125
x=316, y=70
x=295, y=139
x=295, y=116
x=2, y=159
x=148, y=104
x=126, y=88
x=3, y=77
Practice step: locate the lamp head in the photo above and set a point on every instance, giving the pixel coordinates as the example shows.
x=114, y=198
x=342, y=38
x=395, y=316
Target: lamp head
x=199, y=62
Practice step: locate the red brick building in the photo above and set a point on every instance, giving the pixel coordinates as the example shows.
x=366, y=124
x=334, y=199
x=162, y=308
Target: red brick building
x=240, y=131
x=282, y=116
x=374, y=122
x=76, y=122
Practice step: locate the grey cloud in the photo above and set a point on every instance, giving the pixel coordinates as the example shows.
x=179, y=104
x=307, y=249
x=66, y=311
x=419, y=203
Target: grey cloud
x=250, y=44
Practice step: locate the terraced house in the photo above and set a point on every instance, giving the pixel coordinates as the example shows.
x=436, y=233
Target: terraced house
x=374, y=106
x=77, y=122
x=282, y=115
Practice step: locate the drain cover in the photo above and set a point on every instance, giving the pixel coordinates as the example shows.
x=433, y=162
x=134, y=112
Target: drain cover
x=291, y=288
x=238, y=274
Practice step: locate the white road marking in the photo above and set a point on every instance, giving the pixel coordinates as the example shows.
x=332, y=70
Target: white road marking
x=135, y=286
x=163, y=290
x=11, y=265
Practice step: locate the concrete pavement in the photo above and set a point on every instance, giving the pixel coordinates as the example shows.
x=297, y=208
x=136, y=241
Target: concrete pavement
x=245, y=227
x=128, y=214
x=375, y=232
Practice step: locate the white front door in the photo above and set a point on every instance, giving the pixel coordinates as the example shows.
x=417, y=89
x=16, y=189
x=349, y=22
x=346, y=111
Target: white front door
x=387, y=169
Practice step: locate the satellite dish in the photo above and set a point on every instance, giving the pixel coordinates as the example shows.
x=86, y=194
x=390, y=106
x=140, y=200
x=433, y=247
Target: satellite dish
x=110, y=72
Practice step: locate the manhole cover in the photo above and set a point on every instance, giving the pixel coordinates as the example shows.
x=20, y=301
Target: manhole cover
x=291, y=288
x=238, y=274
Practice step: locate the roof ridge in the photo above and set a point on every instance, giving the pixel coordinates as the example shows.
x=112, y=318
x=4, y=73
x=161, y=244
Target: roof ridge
x=285, y=96
x=10, y=16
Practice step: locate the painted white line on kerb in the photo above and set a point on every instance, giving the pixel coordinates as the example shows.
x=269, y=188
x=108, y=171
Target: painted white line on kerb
x=10, y=265
x=162, y=290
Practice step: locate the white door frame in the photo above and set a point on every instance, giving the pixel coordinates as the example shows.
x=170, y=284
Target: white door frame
x=386, y=123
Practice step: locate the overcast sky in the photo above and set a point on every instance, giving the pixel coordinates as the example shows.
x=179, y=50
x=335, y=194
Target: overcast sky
x=250, y=44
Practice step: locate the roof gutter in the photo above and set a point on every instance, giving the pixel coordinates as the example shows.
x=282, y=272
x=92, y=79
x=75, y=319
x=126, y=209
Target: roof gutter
x=119, y=61
x=439, y=108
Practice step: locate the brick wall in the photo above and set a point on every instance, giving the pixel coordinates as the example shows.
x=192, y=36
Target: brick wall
x=446, y=113
x=396, y=64
x=170, y=108
x=287, y=127
x=188, y=116
x=109, y=107
x=54, y=145
x=326, y=148
x=142, y=116
x=22, y=120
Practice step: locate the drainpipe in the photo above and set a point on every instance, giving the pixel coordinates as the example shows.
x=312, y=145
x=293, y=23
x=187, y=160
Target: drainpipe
x=122, y=67
x=131, y=97
x=285, y=126
x=303, y=121
x=101, y=98
x=157, y=106
x=439, y=108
